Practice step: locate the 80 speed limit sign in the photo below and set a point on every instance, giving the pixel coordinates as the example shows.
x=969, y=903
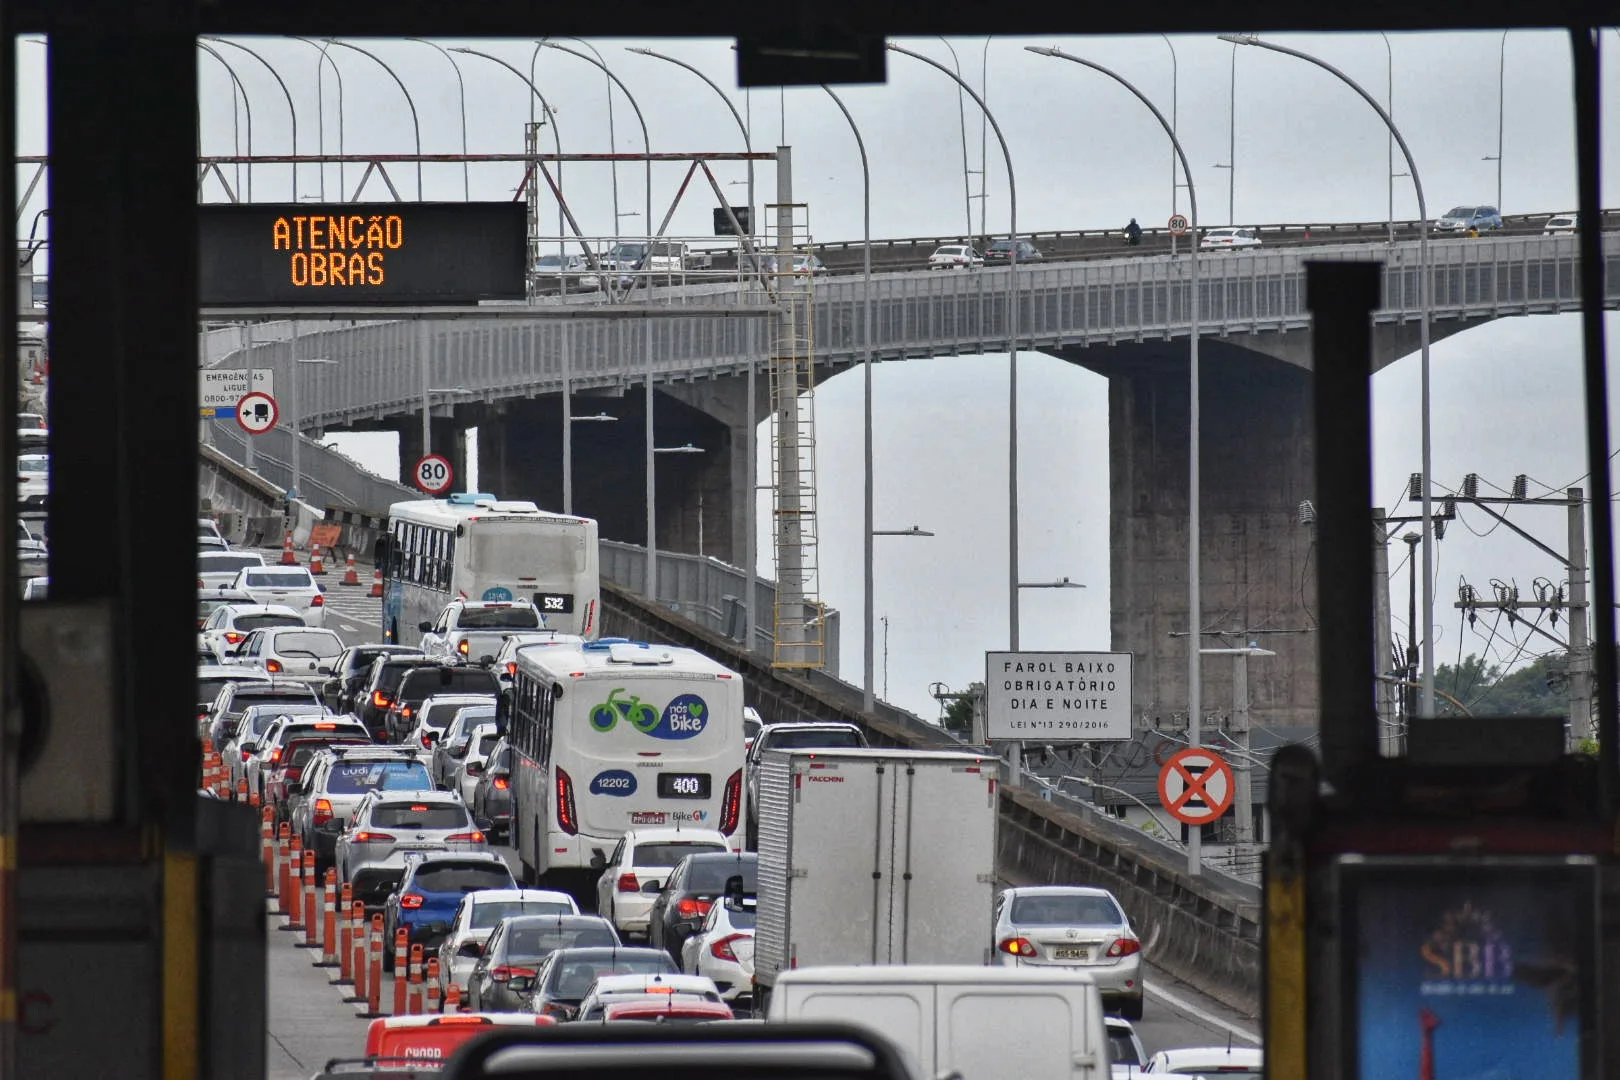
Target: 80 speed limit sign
x=434, y=475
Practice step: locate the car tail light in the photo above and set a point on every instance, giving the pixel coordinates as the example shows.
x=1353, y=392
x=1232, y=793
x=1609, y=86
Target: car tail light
x=364, y=837
x=405, y=711
x=379, y=700
x=318, y=601
x=427, y=739
x=273, y=666
x=233, y=638
x=504, y=972
x=323, y=811
x=721, y=950
x=590, y=619
x=566, y=819
x=275, y=755
x=474, y=837
x=1125, y=946
x=511, y=667
x=731, y=805
x=412, y=901
x=246, y=754
x=692, y=909
x=628, y=883
x=325, y=727
x=200, y=585
x=459, y=1019
x=501, y=783
x=464, y=647
x=1017, y=946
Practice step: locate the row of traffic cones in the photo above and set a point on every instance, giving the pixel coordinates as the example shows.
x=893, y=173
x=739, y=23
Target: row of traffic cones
x=317, y=565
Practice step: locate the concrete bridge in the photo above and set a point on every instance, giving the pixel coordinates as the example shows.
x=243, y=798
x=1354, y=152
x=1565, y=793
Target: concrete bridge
x=1126, y=318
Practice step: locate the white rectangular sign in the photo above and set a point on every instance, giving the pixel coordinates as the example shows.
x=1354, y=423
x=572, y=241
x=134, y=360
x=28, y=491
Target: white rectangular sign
x=222, y=388
x=1058, y=696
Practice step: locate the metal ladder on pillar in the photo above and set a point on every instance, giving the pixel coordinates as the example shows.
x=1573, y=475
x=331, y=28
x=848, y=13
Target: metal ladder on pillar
x=800, y=637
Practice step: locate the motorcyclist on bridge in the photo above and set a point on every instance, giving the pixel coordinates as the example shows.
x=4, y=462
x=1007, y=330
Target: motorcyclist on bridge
x=1133, y=233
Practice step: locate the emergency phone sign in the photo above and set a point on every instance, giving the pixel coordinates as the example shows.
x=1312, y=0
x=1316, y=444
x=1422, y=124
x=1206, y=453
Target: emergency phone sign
x=1058, y=696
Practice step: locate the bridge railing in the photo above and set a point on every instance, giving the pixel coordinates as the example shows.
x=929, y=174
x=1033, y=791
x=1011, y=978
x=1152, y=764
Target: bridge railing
x=325, y=475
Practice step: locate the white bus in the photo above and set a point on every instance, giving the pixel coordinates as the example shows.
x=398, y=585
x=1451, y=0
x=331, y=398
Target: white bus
x=472, y=546
x=612, y=735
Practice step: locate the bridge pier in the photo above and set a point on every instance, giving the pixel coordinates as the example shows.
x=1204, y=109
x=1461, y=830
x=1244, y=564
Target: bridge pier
x=1257, y=463
x=449, y=441
x=699, y=494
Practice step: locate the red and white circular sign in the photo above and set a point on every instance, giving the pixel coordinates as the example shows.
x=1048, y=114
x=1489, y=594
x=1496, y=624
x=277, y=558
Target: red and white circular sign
x=257, y=412
x=434, y=475
x=1178, y=225
x=1196, y=786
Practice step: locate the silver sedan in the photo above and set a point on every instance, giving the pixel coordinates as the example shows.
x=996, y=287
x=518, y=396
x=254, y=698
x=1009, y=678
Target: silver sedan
x=1073, y=926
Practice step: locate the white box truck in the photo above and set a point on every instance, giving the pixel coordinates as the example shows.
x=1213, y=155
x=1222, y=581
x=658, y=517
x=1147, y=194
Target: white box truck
x=874, y=857
x=974, y=1022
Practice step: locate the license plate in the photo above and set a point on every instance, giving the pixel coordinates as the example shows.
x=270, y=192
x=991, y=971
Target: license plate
x=646, y=817
x=1071, y=954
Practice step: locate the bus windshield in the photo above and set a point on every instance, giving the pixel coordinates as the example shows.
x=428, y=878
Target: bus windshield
x=526, y=549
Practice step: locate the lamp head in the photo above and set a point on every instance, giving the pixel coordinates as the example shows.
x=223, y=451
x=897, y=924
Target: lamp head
x=1239, y=39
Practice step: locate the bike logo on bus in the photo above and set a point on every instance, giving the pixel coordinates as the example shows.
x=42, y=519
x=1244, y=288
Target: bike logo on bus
x=682, y=718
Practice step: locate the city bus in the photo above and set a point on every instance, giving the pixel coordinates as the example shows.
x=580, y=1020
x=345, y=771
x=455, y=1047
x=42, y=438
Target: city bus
x=612, y=735
x=473, y=546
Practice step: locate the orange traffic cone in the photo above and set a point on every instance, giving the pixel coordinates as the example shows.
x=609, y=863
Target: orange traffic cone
x=351, y=576
x=376, y=584
x=287, y=556
x=316, y=564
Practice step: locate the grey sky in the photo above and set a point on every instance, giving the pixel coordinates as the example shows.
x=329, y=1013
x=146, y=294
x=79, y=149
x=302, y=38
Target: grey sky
x=1087, y=156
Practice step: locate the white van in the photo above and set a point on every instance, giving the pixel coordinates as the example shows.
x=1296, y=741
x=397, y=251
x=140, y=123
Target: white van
x=979, y=1023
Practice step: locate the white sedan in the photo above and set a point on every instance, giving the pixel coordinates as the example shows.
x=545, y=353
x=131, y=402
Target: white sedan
x=955, y=257
x=33, y=480
x=305, y=653
x=476, y=919
x=1227, y=239
x=723, y=950
x=290, y=586
x=1561, y=223
x=1207, y=1061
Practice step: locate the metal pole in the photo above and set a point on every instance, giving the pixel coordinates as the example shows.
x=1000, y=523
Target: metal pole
x=1195, y=619
x=247, y=349
x=1243, y=768
x=1501, y=75
x=427, y=406
x=1412, y=686
x=1231, y=148
x=461, y=91
x=292, y=112
x=984, y=168
x=1425, y=290
x=613, y=139
x=961, y=120
x=416, y=124
x=297, y=419
x=868, y=660
x=247, y=106
x=567, y=420
x=1389, y=98
x=1384, y=689
x=785, y=404
x=652, y=486
x=1175, y=100
x=1014, y=301
x=1580, y=653
x=320, y=107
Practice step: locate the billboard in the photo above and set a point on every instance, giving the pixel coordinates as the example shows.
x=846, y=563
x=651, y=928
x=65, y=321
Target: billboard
x=1469, y=969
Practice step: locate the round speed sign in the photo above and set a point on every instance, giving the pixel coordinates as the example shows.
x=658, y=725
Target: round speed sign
x=1178, y=225
x=434, y=475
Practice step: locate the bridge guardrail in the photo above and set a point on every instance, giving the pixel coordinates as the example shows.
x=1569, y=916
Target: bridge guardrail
x=326, y=475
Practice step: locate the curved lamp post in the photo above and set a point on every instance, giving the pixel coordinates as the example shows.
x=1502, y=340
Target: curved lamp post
x=461, y=91
x=246, y=105
x=961, y=120
x=292, y=111
x=320, y=106
x=1012, y=350
x=1425, y=290
x=646, y=143
x=416, y=124
x=1195, y=688
x=613, y=138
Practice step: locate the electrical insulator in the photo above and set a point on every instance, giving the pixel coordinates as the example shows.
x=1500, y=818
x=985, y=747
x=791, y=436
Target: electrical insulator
x=1470, y=488
x=1520, y=485
x=1414, y=487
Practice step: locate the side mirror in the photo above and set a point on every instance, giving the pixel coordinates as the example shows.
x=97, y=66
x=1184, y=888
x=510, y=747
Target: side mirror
x=471, y=950
x=653, y=886
x=324, y=669
x=521, y=984
x=333, y=826
x=484, y=824
x=438, y=928
x=734, y=890
x=474, y=768
x=598, y=860
x=487, y=660
x=424, y=626
x=250, y=748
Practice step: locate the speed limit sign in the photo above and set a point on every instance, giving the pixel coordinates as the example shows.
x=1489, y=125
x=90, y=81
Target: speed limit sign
x=1178, y=225
x=434, y=475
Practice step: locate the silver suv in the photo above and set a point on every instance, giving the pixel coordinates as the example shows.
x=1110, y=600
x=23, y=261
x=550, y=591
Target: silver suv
x=387, y=824
x=796, y=735
x=337, y=780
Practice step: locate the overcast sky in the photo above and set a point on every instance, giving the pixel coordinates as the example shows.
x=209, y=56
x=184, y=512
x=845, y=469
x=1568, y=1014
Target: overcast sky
x=1086, y=155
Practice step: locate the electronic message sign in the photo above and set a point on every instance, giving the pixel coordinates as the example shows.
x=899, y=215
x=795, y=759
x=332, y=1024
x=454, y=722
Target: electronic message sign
x=311, y=255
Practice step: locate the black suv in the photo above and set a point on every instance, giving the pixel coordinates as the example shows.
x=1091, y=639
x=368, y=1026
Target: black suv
x=376, y=693
x=423, y=681
x=1000, y=251
x=350, y=671
x=696, y=884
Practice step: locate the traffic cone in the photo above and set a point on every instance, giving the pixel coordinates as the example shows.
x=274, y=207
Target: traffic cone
x=433, y=1003
x=452, y=999
x=317, y=565
x=376, y=585
x=413, y=1001
x=401, y=971
x=287, y=556
x=351, y=576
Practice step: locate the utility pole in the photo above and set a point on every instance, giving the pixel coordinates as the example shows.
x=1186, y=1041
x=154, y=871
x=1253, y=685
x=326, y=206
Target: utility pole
x=1580, y=651
x=1383, y=648
x=1238, y=732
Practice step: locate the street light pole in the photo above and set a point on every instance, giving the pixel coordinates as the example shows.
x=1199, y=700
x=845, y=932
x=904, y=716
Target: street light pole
x=613, y=138
x=1195, y=618
x=320, y=107
x=1425, y=293
x=292, y=112
x=1014, y=300
x=961, y=120
x=1175, y=99
x=1389, y=99
x=247, y=106
x=461, y=91
x=1501, y=77
x=868, y=645
x=1231, y=148
x=416, y=124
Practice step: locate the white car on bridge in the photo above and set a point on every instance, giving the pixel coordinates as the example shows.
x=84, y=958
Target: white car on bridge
x=1228, y=238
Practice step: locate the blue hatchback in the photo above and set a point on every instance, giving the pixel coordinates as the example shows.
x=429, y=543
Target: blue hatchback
x=431, y=890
